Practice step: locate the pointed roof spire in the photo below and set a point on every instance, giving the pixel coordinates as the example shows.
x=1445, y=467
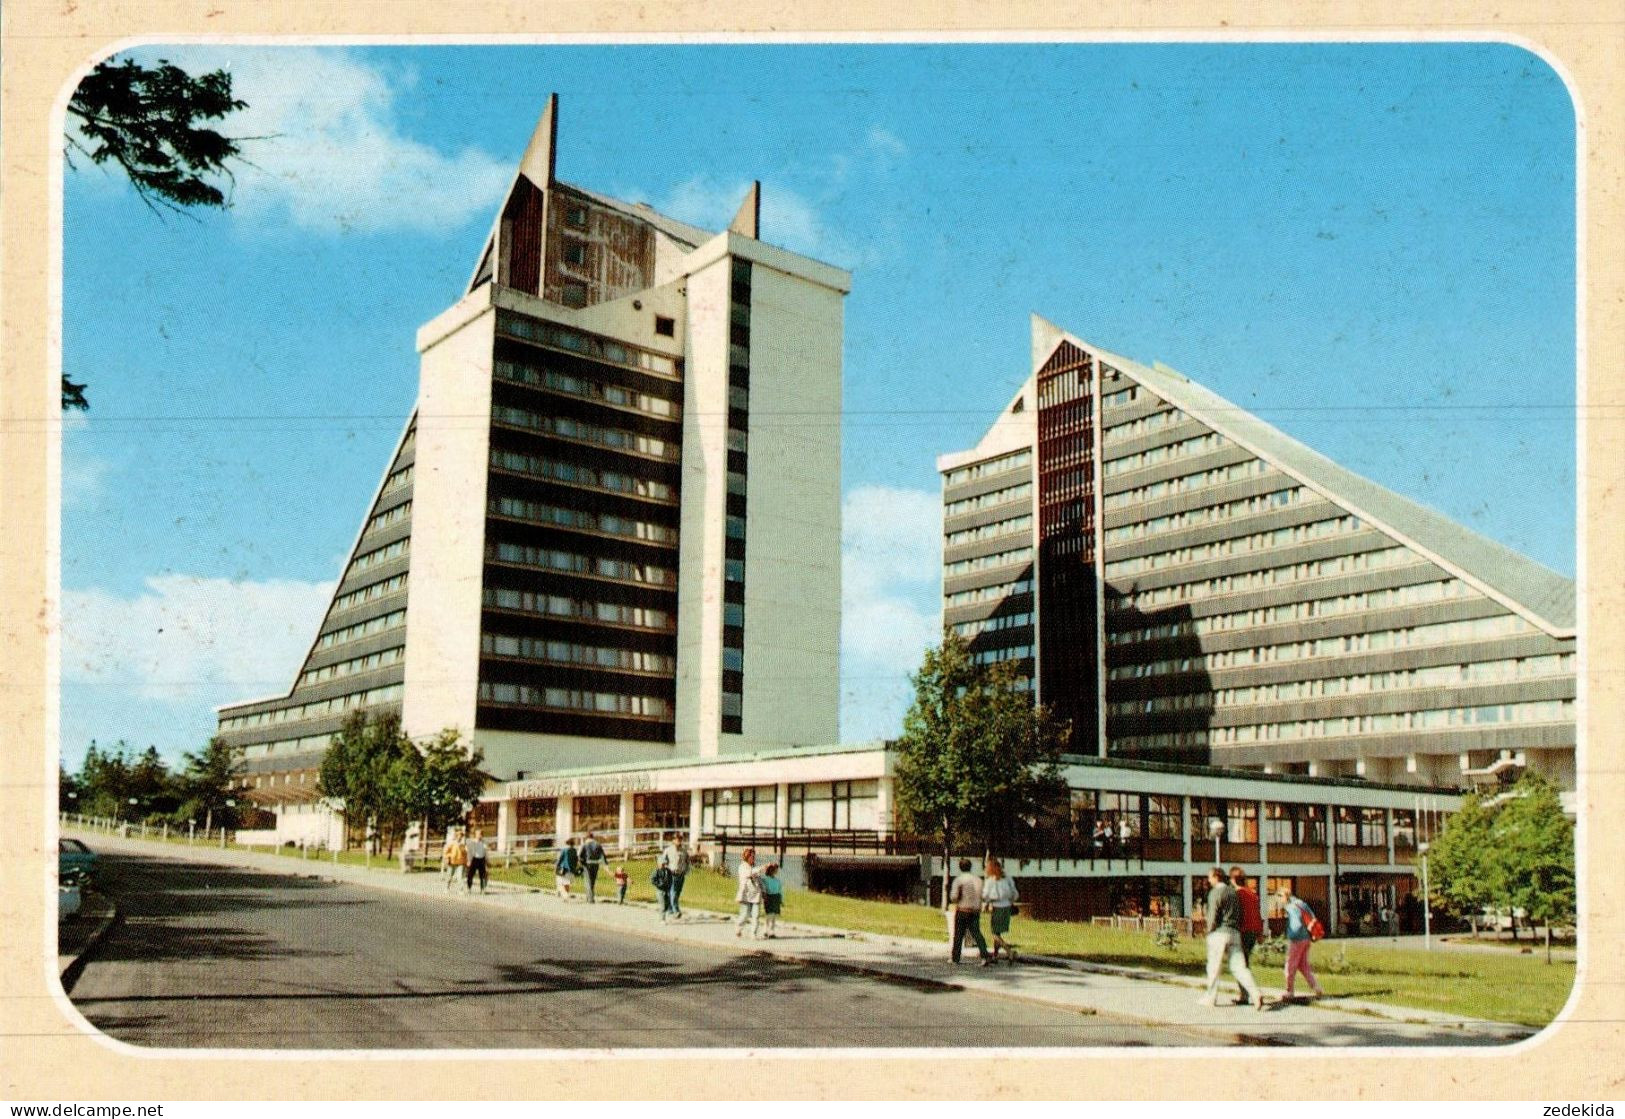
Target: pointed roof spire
x=539, y=159
x=748, y=221
x=1046, y=336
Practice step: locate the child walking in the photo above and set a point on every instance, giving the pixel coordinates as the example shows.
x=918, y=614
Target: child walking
x=772, y=897
x=620, y=885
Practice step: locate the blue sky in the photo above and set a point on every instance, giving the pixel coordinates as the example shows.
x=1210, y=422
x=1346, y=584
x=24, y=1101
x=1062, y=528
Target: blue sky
x=1372, y=246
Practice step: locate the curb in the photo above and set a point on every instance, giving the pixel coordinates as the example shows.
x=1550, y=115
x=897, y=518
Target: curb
x=69, y=975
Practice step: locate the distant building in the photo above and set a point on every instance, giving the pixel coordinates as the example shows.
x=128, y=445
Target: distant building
x=575, y=555
x=1186, y=583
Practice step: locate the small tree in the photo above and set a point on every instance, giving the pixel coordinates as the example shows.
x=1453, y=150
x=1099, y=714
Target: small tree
x=450, y=778
x=381, y=776
x=1519, y=856
x=1532, y=855
x=210, y=777
x=1458, y=861
x=977, y=761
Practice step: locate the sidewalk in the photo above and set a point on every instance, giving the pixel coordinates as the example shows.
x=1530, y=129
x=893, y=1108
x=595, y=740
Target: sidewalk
x=1128, y=995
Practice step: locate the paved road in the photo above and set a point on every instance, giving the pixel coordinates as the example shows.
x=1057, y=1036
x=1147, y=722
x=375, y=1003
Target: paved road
x=226, y=957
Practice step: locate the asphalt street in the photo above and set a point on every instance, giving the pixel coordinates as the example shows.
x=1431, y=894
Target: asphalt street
x=216, y=956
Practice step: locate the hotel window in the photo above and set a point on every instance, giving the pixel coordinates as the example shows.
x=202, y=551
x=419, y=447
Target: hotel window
x=1374, y=827
x=572, y=293
x=1302, y=825
x=1164, y=817
x=1404, y=829
x=576, y=216
x=665, y=326
x=748, y=808
x=575, y=252
x=1348, y=826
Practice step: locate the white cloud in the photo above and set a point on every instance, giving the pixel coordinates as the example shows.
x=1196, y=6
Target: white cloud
x=788, y=219
x=329, y=153
x=82, y=478
x=189, y=640
x=890, y=572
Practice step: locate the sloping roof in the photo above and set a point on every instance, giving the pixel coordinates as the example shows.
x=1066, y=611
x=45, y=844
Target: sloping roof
x=690, y=235
x=1538, y=593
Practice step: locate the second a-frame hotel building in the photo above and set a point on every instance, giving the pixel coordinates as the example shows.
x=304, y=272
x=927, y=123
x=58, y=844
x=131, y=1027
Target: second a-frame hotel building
x=607, y=551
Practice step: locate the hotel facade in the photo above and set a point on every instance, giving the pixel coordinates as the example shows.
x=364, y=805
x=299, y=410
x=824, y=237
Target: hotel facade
x=574, y=555
x=606, y=550
x=1186, y=583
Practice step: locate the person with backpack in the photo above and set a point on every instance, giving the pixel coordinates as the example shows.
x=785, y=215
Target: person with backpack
x=592, y=861
x=566, y=868
x=1301, y=933
x=674, y=861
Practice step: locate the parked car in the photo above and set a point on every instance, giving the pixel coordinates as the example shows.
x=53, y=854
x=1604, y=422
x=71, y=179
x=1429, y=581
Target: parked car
x=73, y=855
x=70, y=895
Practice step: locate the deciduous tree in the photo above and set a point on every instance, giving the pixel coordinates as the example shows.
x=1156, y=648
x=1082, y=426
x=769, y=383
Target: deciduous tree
x=977, y=761
x=380, y=776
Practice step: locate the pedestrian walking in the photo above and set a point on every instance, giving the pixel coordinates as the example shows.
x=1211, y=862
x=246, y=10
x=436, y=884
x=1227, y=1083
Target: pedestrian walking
x=965, y=899
x=621, y=880
x=1252, y=918
x=999, y=895
x=749, y=895
x=565, y=868
x=592, y=861
x=772, y=898
x=675, y=861
x=453, y=858
x=1300, y=928
x=1224, y=941
x=476, y=861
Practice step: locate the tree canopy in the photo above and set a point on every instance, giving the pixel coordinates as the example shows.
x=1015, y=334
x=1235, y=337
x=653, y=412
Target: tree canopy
x=978, y=761
x=150, y=122
x=379, y=775
x=1519, y=855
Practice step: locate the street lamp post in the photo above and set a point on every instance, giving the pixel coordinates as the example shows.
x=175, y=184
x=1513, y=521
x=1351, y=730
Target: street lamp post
x=1427, y=901
x=1215, y=828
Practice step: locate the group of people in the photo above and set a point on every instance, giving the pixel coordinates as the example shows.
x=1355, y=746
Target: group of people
x=760, y=897
x=968, y=896
x=589, y=861
x=464, y=857
x=1235, y=922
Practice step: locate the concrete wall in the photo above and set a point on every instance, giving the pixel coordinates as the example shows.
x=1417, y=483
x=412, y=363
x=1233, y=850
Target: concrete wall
x=448, y=519
x=793, y=513
x=705, y=487
x=507, y=752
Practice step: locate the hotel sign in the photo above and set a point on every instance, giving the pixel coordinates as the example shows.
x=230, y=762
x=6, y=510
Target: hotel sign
x=582, y=786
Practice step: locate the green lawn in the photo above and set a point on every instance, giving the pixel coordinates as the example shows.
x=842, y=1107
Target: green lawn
x=1506, y=988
